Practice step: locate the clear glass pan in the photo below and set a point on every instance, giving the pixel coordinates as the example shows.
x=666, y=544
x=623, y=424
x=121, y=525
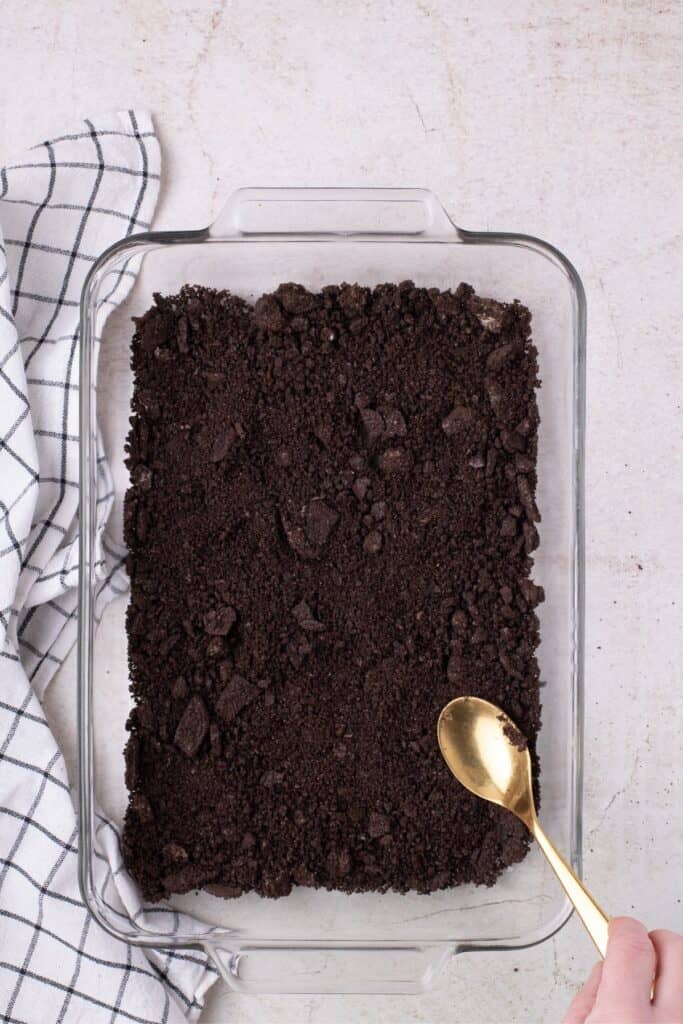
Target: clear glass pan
x=318, y=941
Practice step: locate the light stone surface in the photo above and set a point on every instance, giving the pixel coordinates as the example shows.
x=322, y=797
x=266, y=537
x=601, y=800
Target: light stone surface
x=560, y=120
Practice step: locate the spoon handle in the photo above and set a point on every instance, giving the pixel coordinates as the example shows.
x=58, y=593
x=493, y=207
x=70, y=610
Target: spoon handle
x=593, y=917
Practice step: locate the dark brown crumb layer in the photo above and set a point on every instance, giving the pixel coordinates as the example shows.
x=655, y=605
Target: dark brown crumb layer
x=330, y=525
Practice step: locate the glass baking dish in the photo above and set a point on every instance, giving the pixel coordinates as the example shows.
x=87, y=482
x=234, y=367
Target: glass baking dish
x=314, y=940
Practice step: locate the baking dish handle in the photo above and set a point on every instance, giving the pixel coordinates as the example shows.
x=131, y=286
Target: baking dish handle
x=287, y=970
x=412, y=212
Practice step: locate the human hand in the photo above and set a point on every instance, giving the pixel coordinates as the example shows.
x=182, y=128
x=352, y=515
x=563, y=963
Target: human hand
x=618, y=990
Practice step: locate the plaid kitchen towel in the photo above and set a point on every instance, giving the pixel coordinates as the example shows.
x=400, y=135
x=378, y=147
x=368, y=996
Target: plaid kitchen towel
x=61, y=205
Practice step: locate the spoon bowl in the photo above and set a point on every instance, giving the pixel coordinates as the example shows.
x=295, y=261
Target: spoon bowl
x=487, y=754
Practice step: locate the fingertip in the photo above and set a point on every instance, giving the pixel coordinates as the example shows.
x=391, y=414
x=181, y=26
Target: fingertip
x=665, y=935
x=624, y=923
x=629, y=966
x=629, y=931
x=668, y=988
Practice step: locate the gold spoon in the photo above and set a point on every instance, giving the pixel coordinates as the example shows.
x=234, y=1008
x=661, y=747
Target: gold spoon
x=488, y=755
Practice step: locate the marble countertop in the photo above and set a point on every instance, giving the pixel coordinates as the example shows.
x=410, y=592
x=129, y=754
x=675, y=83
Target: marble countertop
x=558, y=120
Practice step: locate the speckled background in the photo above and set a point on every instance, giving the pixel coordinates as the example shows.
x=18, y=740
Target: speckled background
x=555, y=119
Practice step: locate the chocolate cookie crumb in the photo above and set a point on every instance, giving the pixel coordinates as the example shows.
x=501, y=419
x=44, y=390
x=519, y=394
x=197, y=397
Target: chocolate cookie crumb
x=331, y=519
x=517, y=739
x=192, y=727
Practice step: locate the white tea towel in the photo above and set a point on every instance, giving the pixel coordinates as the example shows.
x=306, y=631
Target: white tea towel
x=61, y=205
